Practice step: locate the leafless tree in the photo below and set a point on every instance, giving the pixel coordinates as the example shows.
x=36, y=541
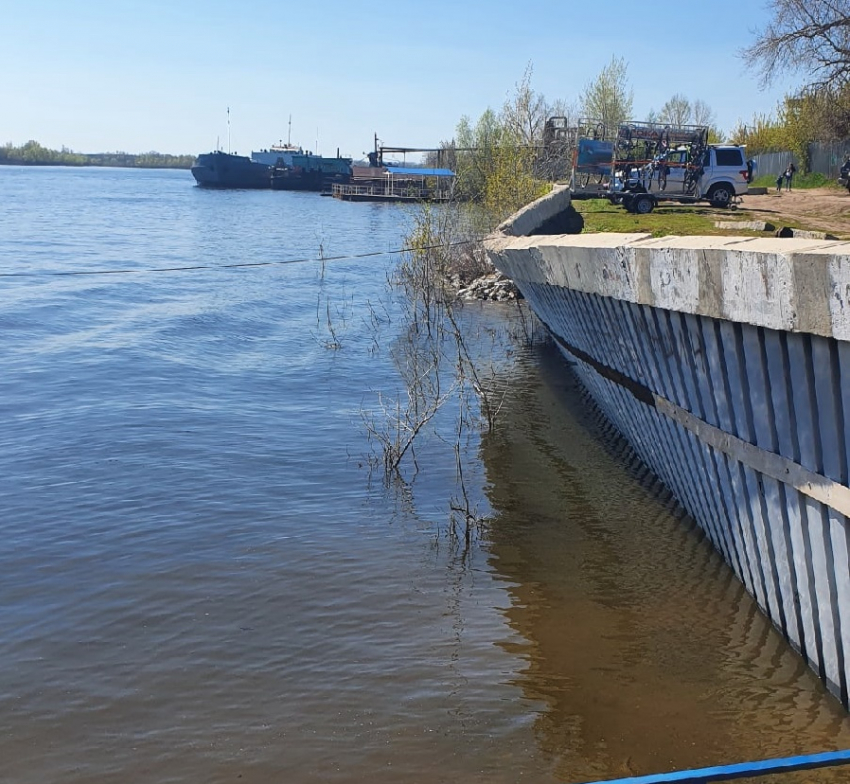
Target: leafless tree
x=677, y=111
x=703, y=114
x=524, y=112
x=807, y=37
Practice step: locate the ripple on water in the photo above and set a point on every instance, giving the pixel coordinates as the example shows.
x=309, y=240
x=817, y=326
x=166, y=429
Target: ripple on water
x=201, y=580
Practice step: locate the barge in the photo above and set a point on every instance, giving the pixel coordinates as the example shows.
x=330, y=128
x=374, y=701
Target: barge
x=725, y=362
x=225, y=170
x=278, y=168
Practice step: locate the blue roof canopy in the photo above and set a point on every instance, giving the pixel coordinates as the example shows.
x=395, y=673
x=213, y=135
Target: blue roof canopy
x=416, y=171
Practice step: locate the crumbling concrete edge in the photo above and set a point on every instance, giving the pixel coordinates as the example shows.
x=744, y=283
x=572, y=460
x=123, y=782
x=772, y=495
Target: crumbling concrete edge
x=532, y=216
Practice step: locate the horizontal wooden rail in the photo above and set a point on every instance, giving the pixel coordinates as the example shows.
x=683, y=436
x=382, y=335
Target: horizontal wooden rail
x=740, y=770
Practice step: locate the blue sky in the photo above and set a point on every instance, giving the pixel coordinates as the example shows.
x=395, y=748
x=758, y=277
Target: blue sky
x=138, y=75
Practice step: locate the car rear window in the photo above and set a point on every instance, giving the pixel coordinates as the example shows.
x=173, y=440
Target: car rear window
x=730, y=158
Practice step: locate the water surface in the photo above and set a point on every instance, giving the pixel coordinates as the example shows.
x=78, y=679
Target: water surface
x=202, y=579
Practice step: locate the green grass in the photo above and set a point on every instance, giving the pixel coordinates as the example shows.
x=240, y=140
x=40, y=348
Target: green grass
x=802, y=181
x=698, y=219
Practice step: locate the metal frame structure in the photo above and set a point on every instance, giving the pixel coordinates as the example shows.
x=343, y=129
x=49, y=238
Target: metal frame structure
x=636, y=153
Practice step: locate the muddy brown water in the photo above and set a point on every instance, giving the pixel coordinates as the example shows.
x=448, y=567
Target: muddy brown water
x=202, y=580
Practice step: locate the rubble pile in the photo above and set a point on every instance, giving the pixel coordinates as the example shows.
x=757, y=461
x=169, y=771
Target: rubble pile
x=493, y=286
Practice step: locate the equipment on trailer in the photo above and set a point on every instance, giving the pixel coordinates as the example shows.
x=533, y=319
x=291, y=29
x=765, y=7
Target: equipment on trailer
x=641, y=163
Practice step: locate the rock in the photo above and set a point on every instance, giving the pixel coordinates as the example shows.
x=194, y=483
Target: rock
x=745, y=225
x=787, y=231
x=494, y=287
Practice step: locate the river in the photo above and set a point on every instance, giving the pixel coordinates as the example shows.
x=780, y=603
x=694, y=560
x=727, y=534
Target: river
x=205, y=575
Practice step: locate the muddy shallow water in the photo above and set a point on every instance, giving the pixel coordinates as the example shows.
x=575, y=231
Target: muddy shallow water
x=202, y=579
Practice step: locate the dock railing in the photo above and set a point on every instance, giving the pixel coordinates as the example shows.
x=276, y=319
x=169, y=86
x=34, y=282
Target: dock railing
x=397, y=191
x=740, y=770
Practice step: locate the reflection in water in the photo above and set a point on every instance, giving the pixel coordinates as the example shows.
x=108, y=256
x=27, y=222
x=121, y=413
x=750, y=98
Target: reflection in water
x=201, y=581
x=642, y=645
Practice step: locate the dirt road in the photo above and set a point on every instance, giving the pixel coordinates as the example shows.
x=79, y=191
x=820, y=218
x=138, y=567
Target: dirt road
x=820, y=209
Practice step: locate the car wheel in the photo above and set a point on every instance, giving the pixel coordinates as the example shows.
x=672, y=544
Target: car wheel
x=721, y=195
x=643, y=204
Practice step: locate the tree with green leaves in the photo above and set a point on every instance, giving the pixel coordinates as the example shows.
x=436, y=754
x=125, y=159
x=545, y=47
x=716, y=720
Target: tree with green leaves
x=608, y=97
x=34, y=154
x=497, y=158
x=476, y=147
x=763, y=133
x=790, y=131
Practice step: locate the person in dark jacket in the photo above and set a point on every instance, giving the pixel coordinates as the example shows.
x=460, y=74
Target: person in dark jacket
x=844, y=174
x=789, y=175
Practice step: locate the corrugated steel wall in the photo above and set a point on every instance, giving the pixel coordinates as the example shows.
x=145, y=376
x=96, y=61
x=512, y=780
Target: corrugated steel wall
x=786, y=393
x=827, y=158
x=824, y=158
x=774, y=163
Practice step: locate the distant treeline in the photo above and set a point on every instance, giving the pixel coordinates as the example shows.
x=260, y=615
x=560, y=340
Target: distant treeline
x=33, y=154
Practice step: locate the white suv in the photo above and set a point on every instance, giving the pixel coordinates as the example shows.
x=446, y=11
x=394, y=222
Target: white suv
x=721, y=175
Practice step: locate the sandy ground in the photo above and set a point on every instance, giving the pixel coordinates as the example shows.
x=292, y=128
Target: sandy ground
x=820, y=209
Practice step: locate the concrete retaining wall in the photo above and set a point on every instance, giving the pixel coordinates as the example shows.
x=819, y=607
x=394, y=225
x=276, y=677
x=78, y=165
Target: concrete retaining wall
x=726, y=363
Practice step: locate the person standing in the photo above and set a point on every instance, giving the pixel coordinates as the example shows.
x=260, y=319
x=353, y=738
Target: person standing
x=663, y=170
x=789, y=175
x=844, y=175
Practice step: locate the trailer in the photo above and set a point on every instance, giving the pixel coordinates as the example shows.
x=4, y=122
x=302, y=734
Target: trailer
x=643, y=164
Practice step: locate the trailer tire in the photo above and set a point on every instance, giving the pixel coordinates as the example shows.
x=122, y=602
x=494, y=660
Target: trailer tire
x=721, y=195
x=643, y=204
